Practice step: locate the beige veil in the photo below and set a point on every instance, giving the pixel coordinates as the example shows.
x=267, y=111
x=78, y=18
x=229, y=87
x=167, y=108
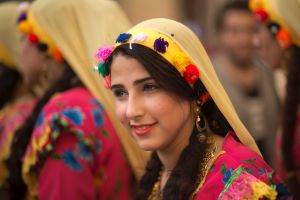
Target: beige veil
x=289, y=13
x=78, y=27
x=10, y=39
x=191, y=45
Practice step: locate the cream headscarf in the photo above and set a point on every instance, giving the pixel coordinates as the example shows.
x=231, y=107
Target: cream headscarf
x=285, y=12
x=192, y=47
x=10, y=39
x=289, y=12
x=78, y=27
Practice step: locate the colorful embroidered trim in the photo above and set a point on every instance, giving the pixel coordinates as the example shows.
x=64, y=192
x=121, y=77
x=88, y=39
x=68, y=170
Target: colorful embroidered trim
x=158, y=42
x=44, y=143
x=29, y=27
x=264, y=16
x=242, y=185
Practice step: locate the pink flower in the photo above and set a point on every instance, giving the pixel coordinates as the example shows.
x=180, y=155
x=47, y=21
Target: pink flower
x=104, y=52
x=191, y=74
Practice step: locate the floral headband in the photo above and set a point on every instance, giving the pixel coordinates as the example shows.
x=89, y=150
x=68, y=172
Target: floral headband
x=29, y=27
x=265, y=16
x=159, y=42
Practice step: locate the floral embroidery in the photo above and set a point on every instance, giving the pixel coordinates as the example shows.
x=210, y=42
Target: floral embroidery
x=74, y=115
x=84, y=151
x=242, y=185
x=70, y=159
x=262, y=171
x=40, y=119
x=250, y=171
x=98, y=117
x=227, y=175
x=51, y=140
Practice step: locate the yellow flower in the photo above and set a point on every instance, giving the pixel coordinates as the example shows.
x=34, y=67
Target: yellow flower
x=260, y=190
x=180, y=60
x=25, y=27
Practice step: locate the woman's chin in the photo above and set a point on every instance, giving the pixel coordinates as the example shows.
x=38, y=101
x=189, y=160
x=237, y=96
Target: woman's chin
x=146, y=146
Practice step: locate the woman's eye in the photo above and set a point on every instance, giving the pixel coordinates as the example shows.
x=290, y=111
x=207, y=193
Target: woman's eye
x=150, y=87
x=119, y=93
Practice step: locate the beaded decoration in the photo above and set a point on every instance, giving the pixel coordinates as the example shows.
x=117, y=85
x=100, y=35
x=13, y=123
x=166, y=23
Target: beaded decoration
x=159, y=42
x=264, y=16
x=35, y=35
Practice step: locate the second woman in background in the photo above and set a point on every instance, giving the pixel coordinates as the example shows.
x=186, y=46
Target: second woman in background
x=68, y=148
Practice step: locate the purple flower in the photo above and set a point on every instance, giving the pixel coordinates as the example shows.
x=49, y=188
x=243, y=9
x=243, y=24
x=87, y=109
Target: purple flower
x=123, y=37
x=160, y=45
x=22, y=17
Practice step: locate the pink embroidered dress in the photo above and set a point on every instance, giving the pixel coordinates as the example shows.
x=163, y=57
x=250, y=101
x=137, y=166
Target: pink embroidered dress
x=240, y=173
x=11, y=118
x=75, y=153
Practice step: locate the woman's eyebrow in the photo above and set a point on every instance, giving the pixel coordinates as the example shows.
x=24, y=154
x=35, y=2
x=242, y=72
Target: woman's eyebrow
x=139, y=81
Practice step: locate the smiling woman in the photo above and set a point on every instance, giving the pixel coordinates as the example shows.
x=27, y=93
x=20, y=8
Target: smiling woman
x=166, y=91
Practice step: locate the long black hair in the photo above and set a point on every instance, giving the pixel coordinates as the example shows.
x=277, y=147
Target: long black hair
x=16, y=186
x=291, y=106
x=183, y=180
x=10, y=79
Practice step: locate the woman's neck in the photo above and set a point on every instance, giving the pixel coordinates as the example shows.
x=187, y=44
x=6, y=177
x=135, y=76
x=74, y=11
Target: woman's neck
x=171, y=153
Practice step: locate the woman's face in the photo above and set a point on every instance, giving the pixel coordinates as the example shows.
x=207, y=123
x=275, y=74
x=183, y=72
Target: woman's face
x=32, y=61
x=268, y=48
x=156, y=119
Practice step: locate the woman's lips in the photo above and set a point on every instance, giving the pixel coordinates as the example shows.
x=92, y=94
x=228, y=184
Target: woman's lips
x=142, y=129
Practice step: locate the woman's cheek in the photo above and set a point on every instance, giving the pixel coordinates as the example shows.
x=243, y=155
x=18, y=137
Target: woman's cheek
x=121, y=112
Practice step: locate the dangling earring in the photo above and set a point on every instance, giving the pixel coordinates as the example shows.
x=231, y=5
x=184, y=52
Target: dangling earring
x=43, y=83
x=200, y=123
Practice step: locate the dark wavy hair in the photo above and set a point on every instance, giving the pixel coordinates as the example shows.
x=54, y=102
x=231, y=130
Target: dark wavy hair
x=10, y=79
x=16, y=186
x=183, y=180
x=291, y=106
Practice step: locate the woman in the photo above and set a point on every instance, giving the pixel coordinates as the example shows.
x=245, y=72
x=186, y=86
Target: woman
x=280, y=18
x=169, y=96
x=16, y=100
x=68, y=148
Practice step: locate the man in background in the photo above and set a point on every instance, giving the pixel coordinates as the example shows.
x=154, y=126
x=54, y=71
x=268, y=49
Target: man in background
x=248, y=82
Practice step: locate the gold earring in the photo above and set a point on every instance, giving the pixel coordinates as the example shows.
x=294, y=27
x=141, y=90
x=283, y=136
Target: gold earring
x=200, y=124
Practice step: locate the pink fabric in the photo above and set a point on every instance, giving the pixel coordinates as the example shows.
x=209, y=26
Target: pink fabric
x=84, y=156
x=296, y=151
x=13, y=116
x=237, y=155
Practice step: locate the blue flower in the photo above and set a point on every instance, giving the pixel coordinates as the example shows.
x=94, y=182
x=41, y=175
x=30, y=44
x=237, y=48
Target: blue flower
x=250, y=171
x=227, y=175
x=74, y=114
x=84, y=151
x=96, y=102
x=161, y=45
x=262, y=171
x=97, y=116
x=40, y=119
x=70, y=159
x=123, y=37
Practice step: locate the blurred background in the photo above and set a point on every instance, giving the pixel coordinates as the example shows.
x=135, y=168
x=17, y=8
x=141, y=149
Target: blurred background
x=199, y=14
